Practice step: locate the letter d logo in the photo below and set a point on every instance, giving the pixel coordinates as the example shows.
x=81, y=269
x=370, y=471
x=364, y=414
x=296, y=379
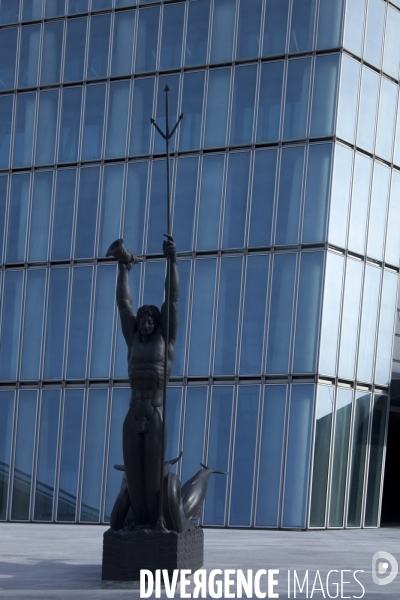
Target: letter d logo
x=383, y=567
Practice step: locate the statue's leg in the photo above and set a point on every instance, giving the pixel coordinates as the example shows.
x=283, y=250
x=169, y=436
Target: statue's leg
x=133, y=449
x=152, y=462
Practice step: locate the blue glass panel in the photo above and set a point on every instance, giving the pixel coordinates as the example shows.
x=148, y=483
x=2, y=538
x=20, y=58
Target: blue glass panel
x=236, y=200
x=75, y=48
x=248, y=38
x=244, y=455
x=174, y=406
x=3, y=200
x=222, y=31
x=377, y=211
x=47, y=454
x=366, y=350
x=197, y=33
x=275, y=27
x=29, y=56
x=101, y=4
x=392, y=254
x=193, y=441
x=386, y=321
x=217, y=108
x=24, y=451
x=291, y=177
x=330, y=22
x=386, y=119
x=120, y=405
x=158, y=207
x=228, y=316
x=33, y=323
x=368, y=108
x=47, y=128
x=63, y=214
x=331, y=313
x=111, y=206
x=391, y=59
x=308, y=312
x=350, y=316
x=124, y=28
x=24, y=127
x=10, y=328
x=171, y=39
x=93, y=122
x=243, y=105
x=340, y=451
x=142, y=111
x=377, y=445
x=185, y=202
x=6, y=106
x=118, y=105
x=340, y=196
x=218, y=454
x=54, y=8
x=55, y=326
x=202, y=317
x=154, y=283
x=210, y=201
x=359, y=449
x=51, y=52
x=173, y=83
x=147, y=37
x=270, y=100
x=70, y=453
x=18, y=217
x=272, y=436
x=253, y=322
x=262, y=199
x=359, y=203
x=374, y=32
x=298, y=456
x=9, y=12
x=103, y=321
x=396, y=153
x=348, y=99
x=120, y=360
x=317, y=193
x=296, y=101
x=77, y=6
x=354, y=28
x=280, y=314
x=94, y=455
x=98, y=46
x=192, y=107
x=183, y=307
x=69, y=126
x=79, y=322
x=324, y=95
x=87, y=211
x=8, y=48
x=32, y=10
x=302, y=25
x=135, y=206
x=6, y=428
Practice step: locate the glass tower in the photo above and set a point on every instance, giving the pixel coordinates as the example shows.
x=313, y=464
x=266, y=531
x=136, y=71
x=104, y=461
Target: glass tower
x=286, y=213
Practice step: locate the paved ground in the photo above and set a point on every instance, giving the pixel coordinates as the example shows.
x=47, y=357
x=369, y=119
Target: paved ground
x=53, y=562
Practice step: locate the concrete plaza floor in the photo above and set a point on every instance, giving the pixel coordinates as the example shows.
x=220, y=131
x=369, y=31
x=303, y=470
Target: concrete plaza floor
x=53, y=562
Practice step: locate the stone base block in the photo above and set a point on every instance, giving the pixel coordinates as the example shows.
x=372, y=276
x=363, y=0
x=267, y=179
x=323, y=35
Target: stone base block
x=126, y=552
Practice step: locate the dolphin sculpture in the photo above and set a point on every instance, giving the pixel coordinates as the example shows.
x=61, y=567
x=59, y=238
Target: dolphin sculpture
x=195, y=489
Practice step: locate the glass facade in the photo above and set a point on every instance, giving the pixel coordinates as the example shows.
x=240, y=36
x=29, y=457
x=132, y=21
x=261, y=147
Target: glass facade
x=286, y=212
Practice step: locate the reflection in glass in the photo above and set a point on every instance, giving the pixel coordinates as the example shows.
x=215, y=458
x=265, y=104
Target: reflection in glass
x=330, y=21
x=79, y=322
x=40, y=216
x=202, y=317
x=118, y=104
x=33, y=323
x=135, y=206
x=262, y=199
x=368, y=323
x=197, y=33
x=23, y=130
x=24, y=451
x=63, y=214
x=69, y=125
x=296, y=100
x=324, y=95
x=353, y=34
x=51, y=52
x=377, y=211
x=93, y=122
x=244, y=455
x=93, y=458
x=391, y=58
x=6, y=107
x=386, y=119
x=103, y=321
x=280, y=314
x=367, y=111
x=217, y=108
x=340, y=196
x=193, y=440
x=142, y=111
x=172, y=33
x=192, y=107
x=374, y=32
x=111, y=206
x=47, y=128
x=18, y=218
x=331, y=313
x=218, y=454
x=359, y=203
x=243, y=105
x=147, y=36
x=359, y=449
x=275, y=26
x=124, y=27
x=29, y=56
x=8, y=48
x=340, y=454
x=350, y=316
x=6, y=427
x=47, y=454
x=248, y=38
x=228, y=316
x=236, y=200
x=86, y=213
x=210, y=201
x=75, y=48
x=380, y=406
x=348, y=96
x=70, y=453
x=98, y=47
x=298, y=456
x=302, y=25
x=269, y=104
x=392, y=254
x=317, y=193
x=55, y=326
x=385, y=335
x=291, y=176
x=222, y=31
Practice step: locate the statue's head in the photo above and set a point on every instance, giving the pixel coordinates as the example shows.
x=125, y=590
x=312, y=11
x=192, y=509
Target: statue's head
x=148, y=319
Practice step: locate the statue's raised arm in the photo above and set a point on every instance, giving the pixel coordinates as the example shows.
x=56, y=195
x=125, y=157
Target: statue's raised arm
x=169, y=249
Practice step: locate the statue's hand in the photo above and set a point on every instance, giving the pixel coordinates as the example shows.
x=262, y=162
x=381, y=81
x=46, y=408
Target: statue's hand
x=169, y=247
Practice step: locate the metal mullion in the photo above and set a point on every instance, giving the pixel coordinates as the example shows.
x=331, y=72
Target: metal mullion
x=311, y=461
x=41, y=43
x=256, y=457
x=67, y=321
x=12, y=455
x=75, y=212
x=204, y=110
x=58, y=127
x=3, y=246
x=349, y=460
x=310, y=96
x=320, y=312
x=93, y=308
x=28, y=216
x=230, y=106
x=189, y=319
x=147, y=212
x=159, y=38
x=106, y=455
x=289, y=25
x=87, y=44
x=52, y=210
x=210, y=32
x=206, y=438
x=63, y=46
x=382, y=478
x=129, y=119
x=285, y=444
x=214, y=324
x=44, y=323
x=330, y=189
x=232, y=437
x=82, y=456
x=17, y=56
x=35, y=455
x=59, y=453
x=367, y=457
x=361, y=303
x=378, y=318
x=103, y=470
x=22, y=322
x=235, y=30
x=296, y=286
x=262, y=27
x=267, y=314
x=242, y=300
x=81, y=124
x=331, y=458
x=256, y=102
x=223, y=198
x=303, y=191
x=197, y=202
x=99, y=211
x=184, y=35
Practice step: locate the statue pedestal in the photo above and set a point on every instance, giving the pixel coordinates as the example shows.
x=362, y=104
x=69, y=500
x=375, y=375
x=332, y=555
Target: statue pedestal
x=126, y=552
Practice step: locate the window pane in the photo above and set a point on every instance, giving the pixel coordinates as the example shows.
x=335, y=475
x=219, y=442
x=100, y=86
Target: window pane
x=360, y=431
x=75, y=48
x=47, y=128
x=210, y=201
x=348, y=96
x=124, y=27
x=6, y=428
x=6, y=106
x=317, y=193
x=146, y=44
x=24, y=127
x=243, y=105
x=298, y=456
x=324, y=95
x=118, y=105
x=330, y=21
x=54, y=8
x=359, y=203
x=269, y=104
x=291, y=176
x=63, y=214
x=79, y=322
x=391, y=59
x=248, y=39
x=103, y=321
x=183, y=307
x=280, y=314
x=366, y=350
x=29, y=56
x=51, y=52
x=8, y=48
x=192, y=107
x=378, y=209
x=24, y=450
x=77, y=6
x=236, y=200
x=18, y=218
x=197, y=33
x=47, y=454
x=32, y=10
x=193, y=441
x=228, y=316
x=93, y=123
x=217, y=108
x=275, y=26
x=142, y=111
x=173, y=83
x=3, y=201
x=262, y=200
x=386, y=119
x=86, y=213
x=222, y=31
x=374, y=32
x=296, y=102
x=111, y=206
x=302, y=25
x=158, y=208
x=253, y=322
x=367, y=111
x=172, y=33
x=135, y=206
x=375, y=459
x=385, y=335
x=354, y=30
x=154, y=283
x=55, y=326
x=9, y=11
x=340, y=196
x=33, y=324
x=98, y=46
x=185, y=203
x=331, y=313
x=350, y=316
x=69, y=128
x=392, y=254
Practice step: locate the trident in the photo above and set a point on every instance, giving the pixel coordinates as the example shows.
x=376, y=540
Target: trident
x=167, y=136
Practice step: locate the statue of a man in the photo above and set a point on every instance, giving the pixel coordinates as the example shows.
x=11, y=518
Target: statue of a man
x=145, y=334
